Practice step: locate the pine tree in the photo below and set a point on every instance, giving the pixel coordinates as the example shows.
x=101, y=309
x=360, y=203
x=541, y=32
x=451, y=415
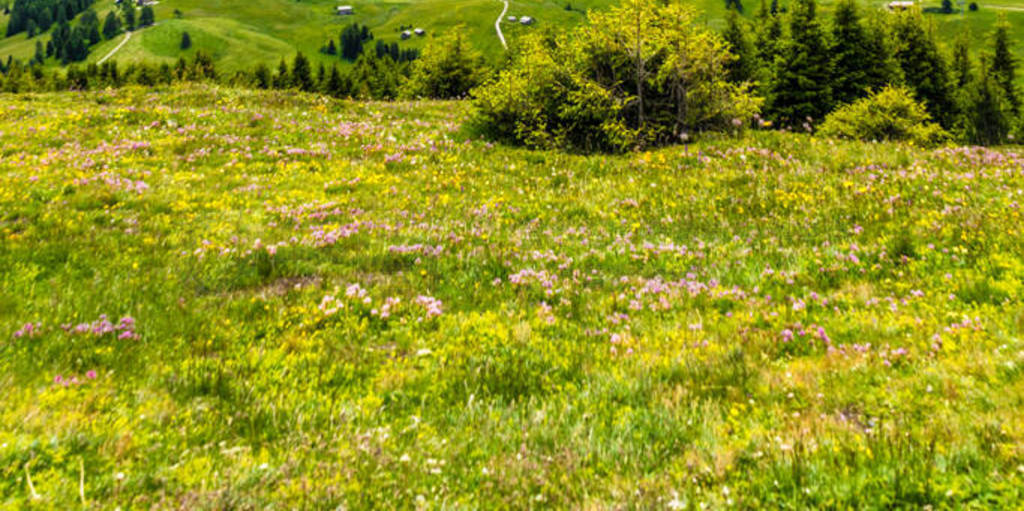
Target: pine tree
x=924, y=68
x=262, y=77
x=741, y=68
x=282, y=80
x=989, y=115
x=321, y=77
x=800, y=94
x=1004, y=65
x=148, y=17
x=40, y=55
x=91, y=23
x=45, y=20
x=335, y=87
x=962, y=72
x=186, y=41
x=301, y=74
x=128, y=14
x=111, y=26
x=881, y=67
x=30, y=28
x=850, y=57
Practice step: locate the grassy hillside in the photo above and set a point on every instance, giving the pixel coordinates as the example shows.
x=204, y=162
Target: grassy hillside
x=240, y=33
x=222, y=299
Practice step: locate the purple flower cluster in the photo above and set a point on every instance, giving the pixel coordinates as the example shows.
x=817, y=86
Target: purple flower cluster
x=28, y=330
x=73, y=380
x=124, y=329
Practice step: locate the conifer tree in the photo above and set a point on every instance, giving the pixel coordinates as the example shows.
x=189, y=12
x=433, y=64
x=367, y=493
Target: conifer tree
x=741, y=68
x=1004, y=65
x=186, y=41
x=128, y=14
x=989, y=114
x=801, y=94
x=282, y=80
x=262, y=76
x=850, y=57
x=880, y=68
x=302, y=76
x=335, y=86
x=148, y=17
x=924, y=68
x=111, y=26
x=962, y=72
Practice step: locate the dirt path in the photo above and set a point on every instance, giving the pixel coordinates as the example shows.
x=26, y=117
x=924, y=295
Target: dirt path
x=497, y=25
x=127, y=36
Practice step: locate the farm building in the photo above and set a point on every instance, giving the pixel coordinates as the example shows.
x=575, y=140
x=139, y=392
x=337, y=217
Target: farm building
x=526, y=20
x=406, y=34
x=420, y=32
x=513, y=19
x=345, y=10
x=900, y=5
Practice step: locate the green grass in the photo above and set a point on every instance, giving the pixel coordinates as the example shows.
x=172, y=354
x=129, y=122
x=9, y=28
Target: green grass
x=768, y=321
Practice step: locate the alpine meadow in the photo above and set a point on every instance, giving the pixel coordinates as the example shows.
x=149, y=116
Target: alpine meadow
x=470, y=254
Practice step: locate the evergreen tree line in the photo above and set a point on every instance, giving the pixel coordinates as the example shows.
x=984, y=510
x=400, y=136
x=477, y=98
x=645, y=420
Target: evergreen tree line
x=69, y=43
x=36, y=16
x=371, y=77
x=805, y=67
x=352, y=44
x=449, y=69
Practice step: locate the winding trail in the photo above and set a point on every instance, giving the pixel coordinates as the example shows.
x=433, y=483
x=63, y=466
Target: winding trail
x=127, y=36
x=497, y=25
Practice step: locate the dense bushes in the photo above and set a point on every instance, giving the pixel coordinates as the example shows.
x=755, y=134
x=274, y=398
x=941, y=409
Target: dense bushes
x=638, y=75
x=891, y=114
x=448, y=68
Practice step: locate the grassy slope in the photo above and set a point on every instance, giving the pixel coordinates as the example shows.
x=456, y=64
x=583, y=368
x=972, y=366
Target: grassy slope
x=242, y=32
x=613, y=330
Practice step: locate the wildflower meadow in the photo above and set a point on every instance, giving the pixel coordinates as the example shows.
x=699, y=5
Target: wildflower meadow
x=220, y=299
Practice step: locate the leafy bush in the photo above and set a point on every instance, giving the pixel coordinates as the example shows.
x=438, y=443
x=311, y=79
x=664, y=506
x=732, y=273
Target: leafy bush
x=448, y=69
x=890, y=114
x=639, y=75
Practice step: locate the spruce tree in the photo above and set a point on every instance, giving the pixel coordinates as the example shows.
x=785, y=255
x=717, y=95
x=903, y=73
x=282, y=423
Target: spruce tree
x=111, y=26
x=923, y=65
x=302, y=76
x=989, y=114
x=335, y=86
x=147, y=17
x=881, y=67
x=801, y=94
x=128, y=14
x=262, y=77
x=850, y=55
x=962, y=72
x=40, y=55
x=1004, y=65
x=186, y=41
x=45, y=20
x=741, y=68
x=282, y=80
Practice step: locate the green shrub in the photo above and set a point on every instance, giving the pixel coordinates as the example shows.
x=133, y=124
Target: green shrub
x=891, y=114
x=448, y=68
x=635, y=76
